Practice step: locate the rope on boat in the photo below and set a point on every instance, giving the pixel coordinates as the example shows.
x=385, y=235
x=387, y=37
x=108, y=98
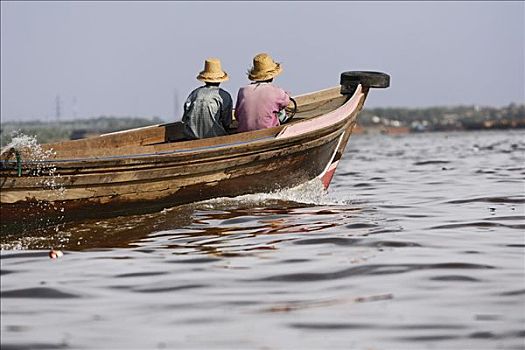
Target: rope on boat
x=18, y=163
x=8, y=153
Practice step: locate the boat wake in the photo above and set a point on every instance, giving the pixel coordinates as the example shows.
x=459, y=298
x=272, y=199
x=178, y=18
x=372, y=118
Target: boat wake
x=311, y=193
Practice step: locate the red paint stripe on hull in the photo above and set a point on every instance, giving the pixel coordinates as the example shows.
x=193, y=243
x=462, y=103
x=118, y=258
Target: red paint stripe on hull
x=326, y=178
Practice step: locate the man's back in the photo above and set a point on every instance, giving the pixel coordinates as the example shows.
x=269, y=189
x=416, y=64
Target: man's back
x=207, y=112
x=258, y=105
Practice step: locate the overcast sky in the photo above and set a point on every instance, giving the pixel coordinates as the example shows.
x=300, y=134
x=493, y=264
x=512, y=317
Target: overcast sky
x=141, y=58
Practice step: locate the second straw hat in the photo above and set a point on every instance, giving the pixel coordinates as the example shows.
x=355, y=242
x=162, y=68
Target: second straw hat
x=264, y=68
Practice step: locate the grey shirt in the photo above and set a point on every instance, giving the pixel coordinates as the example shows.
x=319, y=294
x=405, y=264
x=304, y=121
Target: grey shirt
x=207, y=112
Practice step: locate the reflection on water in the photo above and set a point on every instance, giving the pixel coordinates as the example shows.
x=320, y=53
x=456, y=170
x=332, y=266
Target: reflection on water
x=419, y=244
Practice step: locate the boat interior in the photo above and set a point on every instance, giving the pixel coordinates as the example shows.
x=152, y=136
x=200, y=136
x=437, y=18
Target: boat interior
x=169, y=137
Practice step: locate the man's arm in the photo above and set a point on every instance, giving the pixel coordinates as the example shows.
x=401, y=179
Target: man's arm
x=226, y=110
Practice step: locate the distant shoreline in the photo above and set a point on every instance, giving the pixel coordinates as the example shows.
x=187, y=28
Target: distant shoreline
x=392, y=121
x=400, y=130
x=460, y=118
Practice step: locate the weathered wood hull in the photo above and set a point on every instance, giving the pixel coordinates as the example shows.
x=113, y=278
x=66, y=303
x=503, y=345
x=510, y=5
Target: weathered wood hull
x=143, y=176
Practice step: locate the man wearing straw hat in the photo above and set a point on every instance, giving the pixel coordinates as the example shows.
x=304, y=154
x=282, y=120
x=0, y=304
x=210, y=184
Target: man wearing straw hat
x=208, y=109
x=261, y=104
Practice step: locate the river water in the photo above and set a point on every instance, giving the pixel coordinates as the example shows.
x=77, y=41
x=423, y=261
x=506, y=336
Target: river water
x=418, y=244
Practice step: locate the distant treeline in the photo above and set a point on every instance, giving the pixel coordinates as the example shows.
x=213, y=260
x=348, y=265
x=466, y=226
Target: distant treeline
x=72, y=129
x=445, y=118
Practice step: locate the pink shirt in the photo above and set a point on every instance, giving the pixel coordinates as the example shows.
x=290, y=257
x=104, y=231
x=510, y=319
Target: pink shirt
x=258, y=104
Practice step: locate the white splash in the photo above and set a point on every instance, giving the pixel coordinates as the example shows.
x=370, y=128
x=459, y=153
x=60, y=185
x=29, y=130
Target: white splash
x=311, y=193
x=28, y=147
x=36, y=162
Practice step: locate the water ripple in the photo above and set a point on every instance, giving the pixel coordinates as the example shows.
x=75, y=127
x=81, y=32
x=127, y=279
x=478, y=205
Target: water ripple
x=204, y=260
x=38, y=293
x=331, y=326
x=19, y=255
x=355, y=242
x=513, y=293
x=513, y=200
x=455, y=278
x=370, y=270
x=427, y=162
x=175, y=288
x=140, y=274
x=430, y=338
x=31, y=346
x=477, y=224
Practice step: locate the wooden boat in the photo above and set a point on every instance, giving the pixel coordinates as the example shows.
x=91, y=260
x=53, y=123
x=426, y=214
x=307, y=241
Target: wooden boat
x=150, y=168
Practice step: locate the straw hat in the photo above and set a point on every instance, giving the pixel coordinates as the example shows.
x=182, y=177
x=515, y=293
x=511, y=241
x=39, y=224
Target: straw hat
x=264, y=68
x=212, y=72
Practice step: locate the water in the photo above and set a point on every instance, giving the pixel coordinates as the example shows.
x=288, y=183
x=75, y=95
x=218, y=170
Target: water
x=419, y=244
